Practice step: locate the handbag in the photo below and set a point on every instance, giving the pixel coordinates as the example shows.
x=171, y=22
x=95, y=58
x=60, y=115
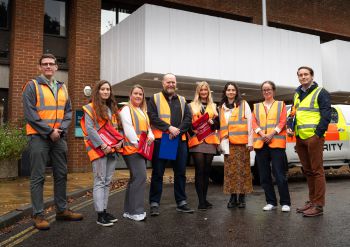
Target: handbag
x=145, y=149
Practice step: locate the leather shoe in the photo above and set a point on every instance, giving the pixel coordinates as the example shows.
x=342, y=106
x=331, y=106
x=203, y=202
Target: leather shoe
x=40, y=222
x=313, y=211
x=68, y=215
x=307, y=205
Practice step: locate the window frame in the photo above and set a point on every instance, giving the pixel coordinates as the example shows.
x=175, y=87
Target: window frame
x=66, y=21
x=8, y=27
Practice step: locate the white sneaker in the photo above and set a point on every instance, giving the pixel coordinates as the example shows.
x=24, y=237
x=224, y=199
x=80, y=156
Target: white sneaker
x=136, y=217
x=285, y=208
x=269, y=207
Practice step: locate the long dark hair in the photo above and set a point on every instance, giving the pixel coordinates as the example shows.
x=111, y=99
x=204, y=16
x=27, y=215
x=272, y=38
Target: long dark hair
x=238, y=98
x=101, y=107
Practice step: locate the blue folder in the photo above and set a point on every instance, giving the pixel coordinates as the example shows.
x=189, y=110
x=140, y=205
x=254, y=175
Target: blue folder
x=168, y=147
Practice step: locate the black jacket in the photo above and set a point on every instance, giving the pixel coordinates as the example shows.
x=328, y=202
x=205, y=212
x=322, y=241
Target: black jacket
x=175, y=115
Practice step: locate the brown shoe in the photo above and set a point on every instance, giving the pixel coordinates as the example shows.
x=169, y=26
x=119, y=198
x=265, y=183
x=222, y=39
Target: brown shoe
x=40, y=222
x=307, y=205
x=68, y=215
x=313, y=211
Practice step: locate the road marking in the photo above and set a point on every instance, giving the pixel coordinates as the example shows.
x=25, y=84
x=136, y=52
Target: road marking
x=26, y=233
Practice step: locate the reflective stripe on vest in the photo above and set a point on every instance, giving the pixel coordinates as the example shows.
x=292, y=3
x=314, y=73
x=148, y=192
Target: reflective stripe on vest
x=98, y=123
x=307, y=114
x=140, y=124
x=237, y=127
x=49, y=108
x=211, y=139
x=163, y=111
x=267, y=123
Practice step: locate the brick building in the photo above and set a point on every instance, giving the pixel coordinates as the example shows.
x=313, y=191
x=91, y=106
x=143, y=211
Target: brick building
x=71, y=29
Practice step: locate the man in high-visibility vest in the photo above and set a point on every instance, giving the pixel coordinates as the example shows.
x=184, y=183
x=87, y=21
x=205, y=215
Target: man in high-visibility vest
x=48, y=112
x=169, y=113
x=312, y=113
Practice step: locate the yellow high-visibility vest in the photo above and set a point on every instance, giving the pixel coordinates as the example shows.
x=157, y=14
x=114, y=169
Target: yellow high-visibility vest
x=307, y=114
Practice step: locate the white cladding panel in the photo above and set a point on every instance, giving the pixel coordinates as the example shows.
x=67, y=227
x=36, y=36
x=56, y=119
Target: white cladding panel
x=123, y=49
x=159, y=40
x=336, y=65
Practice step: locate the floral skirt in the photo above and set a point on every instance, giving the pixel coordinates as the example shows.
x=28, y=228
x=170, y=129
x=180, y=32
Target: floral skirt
x=237, y=175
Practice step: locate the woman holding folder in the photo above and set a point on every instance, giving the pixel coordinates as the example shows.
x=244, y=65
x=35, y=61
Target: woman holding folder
x=236, y=142
x=100, y=112
x=203, y=151
x=135, y=121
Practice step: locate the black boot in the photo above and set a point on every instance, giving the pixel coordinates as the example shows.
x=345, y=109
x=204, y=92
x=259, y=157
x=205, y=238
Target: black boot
x=109, y=217
x=241, y=200
x=233, y=201
x=101, y=220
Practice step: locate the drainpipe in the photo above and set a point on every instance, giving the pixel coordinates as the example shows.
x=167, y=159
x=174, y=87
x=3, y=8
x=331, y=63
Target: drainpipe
x=264, y=13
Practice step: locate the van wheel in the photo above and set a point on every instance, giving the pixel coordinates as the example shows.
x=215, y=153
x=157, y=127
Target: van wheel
x=217, y=174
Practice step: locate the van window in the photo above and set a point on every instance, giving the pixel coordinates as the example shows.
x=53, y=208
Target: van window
x=334, y=116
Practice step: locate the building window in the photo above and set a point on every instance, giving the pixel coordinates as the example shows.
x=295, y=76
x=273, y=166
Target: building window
x=55, y=17
x=4, y=14
x=3, y=105
x=109, y=18
x=113, y=13
x=55, y=31
x=4, y=31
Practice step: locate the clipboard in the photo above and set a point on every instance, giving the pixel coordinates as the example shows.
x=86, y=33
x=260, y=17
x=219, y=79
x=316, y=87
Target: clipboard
x=168, y=147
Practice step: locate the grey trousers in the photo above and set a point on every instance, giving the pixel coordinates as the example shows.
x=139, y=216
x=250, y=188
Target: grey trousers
x=135, y=191
x=42, y=152
x=103, y=169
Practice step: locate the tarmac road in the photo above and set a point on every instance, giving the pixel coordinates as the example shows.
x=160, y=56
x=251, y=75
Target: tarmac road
x=218, y=226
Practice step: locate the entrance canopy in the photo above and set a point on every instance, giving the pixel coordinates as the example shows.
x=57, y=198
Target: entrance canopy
x=155, y=40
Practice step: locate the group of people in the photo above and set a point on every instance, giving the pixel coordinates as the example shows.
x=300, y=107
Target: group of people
x=235, y=132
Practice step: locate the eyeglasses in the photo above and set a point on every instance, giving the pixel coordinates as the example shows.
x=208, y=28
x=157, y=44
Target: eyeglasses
x=48, y=64
x=266, y=90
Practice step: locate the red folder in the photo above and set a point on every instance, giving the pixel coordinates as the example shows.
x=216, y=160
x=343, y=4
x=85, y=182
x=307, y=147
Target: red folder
x=203, y=127
x=145, y=149
x=109, y=135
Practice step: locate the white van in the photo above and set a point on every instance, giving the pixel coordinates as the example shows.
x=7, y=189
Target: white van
x=336, y=151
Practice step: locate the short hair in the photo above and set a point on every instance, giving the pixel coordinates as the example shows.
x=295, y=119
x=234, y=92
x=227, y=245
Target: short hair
x=47, y=55
x=306, y=67
x=271, y=83
x=167, y=75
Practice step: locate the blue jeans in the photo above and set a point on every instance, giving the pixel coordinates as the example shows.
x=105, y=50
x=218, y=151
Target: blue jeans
x=179, y=168
x=278, y=160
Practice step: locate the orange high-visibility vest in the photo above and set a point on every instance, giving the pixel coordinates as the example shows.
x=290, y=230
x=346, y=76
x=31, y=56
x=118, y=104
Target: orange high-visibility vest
x=89, y=109
x=267, y=123
x=140, y=124
x=164, y=113
x=212, y=139
x=237, y=127
x=49, y=108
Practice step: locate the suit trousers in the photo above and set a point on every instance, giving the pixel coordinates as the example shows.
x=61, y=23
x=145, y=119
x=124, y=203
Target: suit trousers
x=43, y=152
x=310, y=152
x=135, y=191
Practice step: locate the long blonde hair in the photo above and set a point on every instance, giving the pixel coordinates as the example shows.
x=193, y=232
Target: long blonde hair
x=143, y=105
x=196, y=103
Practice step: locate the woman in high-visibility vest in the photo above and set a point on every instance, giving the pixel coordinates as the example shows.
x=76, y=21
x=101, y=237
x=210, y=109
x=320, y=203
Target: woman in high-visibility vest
x=101, y=110
x=203, y=151
x=135, y=121
x=236, y=138
x=269, y=124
